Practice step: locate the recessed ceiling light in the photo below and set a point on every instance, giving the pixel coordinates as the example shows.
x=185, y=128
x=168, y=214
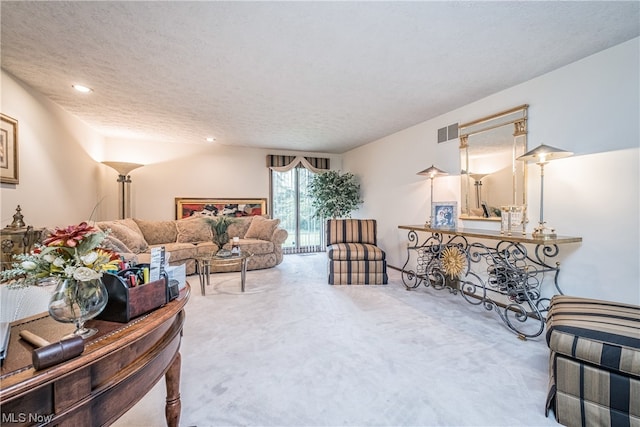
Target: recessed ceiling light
x=81, y=88
x=210, y=139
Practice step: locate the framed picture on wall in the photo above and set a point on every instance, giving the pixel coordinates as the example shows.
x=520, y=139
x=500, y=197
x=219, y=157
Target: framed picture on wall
x=186, y=207
x=444, y=215
x=8, y=150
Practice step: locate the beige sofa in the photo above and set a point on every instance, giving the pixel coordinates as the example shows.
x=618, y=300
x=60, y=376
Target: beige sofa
x=186, y=239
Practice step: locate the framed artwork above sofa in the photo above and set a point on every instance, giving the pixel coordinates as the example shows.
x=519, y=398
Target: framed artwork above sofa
x=186, y=207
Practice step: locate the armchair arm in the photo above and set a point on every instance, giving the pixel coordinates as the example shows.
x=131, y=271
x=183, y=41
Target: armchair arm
x=279, y=236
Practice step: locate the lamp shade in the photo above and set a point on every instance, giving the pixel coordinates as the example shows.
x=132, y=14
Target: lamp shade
x=123, y=168
x=478, y=176
x=432, y=172
x=544, y=154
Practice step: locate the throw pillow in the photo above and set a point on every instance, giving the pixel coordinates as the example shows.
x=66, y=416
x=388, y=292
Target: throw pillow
x=158, y=232
x=127, y=231
x=261, y=228
x=115, y=244
x=239, y=226
x=193, y=230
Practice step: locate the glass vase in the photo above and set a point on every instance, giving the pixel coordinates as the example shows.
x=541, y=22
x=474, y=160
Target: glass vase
x=221, y=240
x=75, y=301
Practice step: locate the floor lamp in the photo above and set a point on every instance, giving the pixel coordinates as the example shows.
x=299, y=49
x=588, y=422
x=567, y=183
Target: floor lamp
x=477, y=178
x=431, y=172
x=124, y=197
x=542, y=155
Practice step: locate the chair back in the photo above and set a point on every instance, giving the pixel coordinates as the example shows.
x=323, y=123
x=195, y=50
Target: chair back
x=351, y=231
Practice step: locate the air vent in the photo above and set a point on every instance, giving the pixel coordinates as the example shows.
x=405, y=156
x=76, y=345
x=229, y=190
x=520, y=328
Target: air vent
x=448, y=133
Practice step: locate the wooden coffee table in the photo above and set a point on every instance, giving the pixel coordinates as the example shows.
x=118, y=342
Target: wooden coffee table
x=207, y=261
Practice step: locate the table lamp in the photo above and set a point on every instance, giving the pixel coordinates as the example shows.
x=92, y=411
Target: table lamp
x=542, y=155
x=432, y=172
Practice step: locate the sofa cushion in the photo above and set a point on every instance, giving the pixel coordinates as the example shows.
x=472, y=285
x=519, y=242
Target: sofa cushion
x=358, y=273
x=355, y=252
x=180, y=251
x=128, y=232
x=239, y=226
x=193, y=230
x=351, y=231
x=603, y=333
x=253, y=246
x=257, y=246
x=261, y=228
x=157, y=232
x=206, y=248
x=595, y=361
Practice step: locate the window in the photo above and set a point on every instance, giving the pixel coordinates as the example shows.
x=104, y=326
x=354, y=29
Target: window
x=290, y=179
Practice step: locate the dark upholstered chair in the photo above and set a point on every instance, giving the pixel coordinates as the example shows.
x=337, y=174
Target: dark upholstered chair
x=595, y=362
x=354, y=257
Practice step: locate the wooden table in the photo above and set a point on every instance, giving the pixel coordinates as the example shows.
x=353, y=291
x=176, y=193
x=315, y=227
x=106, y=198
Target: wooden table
x=119, y=365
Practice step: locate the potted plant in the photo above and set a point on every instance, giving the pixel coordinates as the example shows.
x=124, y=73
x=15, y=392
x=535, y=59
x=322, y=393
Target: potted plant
x=219, y=225
x=334, y=195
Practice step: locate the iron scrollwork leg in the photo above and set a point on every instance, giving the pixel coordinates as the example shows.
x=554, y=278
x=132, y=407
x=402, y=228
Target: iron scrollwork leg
x=410, y=277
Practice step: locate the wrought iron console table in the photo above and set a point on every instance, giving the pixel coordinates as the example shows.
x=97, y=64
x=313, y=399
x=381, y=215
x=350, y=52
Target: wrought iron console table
x=484, y=273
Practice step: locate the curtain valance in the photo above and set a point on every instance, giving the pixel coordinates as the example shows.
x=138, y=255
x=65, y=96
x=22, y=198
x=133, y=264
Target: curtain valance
x=286, y=163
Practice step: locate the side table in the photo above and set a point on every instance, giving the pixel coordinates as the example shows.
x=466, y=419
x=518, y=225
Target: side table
x=498, y=272
x=118, y=366
x=205, y=262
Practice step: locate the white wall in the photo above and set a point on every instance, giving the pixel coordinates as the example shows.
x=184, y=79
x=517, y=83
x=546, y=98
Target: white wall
x=58, y=178
x=187, y=170
x=590, y=107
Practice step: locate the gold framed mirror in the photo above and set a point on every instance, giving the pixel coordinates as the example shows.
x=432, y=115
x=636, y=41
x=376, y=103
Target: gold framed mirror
x=491, y=176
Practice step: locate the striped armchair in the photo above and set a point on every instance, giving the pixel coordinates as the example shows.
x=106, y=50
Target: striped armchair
x=354, y=257
x=595, y=362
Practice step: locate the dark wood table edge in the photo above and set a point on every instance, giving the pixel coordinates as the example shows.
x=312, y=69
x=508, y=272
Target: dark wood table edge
x=15, y=384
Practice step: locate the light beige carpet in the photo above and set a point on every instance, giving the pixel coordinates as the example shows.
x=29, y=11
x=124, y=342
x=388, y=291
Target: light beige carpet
x=295, y=351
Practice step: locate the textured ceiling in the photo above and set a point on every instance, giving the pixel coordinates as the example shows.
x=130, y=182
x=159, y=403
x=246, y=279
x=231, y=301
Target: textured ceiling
x=311, y=76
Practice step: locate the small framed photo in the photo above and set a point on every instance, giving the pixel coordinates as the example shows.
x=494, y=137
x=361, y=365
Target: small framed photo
x=444, y=215
x=8, y=150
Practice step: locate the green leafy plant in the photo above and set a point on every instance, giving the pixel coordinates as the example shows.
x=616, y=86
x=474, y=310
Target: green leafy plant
x=334, y=195
x=219, y=225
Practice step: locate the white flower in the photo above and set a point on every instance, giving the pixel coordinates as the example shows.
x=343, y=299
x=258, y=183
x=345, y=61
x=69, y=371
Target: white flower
x=49, y=258
x=58, y=262
x=89, y=258
x=28, y=265
x=69, y=270
x=83, y=274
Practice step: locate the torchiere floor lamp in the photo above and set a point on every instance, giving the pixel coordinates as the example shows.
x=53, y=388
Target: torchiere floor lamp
x=124, y=198
x=477, y=178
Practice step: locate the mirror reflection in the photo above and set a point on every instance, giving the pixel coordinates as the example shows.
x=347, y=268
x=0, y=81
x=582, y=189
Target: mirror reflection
x=491, y=175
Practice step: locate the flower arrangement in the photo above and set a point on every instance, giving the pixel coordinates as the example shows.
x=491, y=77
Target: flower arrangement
x=72, y=252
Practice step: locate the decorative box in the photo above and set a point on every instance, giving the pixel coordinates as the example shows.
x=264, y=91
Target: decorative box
x=126, y=303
